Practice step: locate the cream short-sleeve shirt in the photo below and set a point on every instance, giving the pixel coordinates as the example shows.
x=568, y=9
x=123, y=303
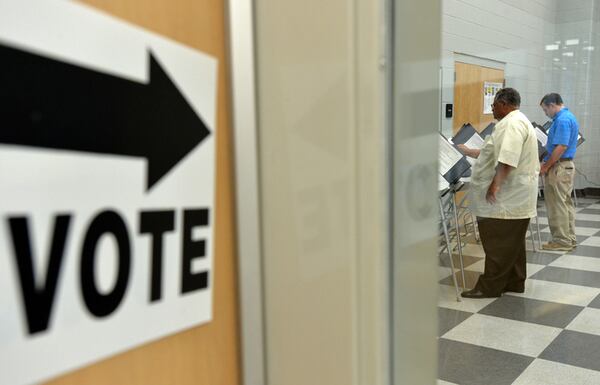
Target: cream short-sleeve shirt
x=514, y=143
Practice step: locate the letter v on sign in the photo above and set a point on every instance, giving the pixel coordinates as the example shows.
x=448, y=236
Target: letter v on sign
x=38, y=299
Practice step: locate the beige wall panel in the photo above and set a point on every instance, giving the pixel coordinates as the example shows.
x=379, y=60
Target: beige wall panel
x=307, y=128
x=321, y=144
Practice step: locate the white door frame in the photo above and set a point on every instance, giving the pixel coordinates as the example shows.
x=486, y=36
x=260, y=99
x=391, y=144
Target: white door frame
x=241, y=50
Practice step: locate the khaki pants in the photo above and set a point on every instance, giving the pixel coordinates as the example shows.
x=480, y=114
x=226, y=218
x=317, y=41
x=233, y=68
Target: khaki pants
x=503, y=241
x=558, y=185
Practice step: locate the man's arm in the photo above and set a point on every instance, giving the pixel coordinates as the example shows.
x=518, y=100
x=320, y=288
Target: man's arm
x=472, y=152
x=502, y=172
x=554, y=157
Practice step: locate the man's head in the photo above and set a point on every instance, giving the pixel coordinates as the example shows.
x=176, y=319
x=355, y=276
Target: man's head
x=551, y=104
x=506, y=101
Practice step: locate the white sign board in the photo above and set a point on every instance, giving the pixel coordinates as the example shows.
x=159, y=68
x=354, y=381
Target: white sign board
x=107, y=175
x=489, y=93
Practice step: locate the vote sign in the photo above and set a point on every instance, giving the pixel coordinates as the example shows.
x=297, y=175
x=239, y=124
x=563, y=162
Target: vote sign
x=107, y=169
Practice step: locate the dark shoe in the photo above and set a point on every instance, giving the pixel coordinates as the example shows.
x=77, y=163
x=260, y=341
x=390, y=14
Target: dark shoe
x=555, y=246
x=476, y=293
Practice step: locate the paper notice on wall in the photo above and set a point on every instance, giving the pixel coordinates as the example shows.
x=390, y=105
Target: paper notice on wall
x=490, y=90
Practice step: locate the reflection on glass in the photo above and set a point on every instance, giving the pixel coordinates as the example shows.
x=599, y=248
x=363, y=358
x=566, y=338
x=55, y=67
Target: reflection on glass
x=538, y=48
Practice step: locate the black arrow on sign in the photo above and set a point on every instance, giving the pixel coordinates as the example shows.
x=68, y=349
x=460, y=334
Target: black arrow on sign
x=51, y=104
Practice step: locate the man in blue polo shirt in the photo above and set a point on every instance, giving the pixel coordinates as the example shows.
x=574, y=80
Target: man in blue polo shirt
x=559, y=172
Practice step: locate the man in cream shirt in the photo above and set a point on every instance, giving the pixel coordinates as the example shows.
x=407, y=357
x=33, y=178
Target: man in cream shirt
x=503, y=196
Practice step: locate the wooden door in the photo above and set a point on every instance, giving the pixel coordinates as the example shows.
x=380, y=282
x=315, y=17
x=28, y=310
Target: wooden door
x=208, y=354
x=468, y=94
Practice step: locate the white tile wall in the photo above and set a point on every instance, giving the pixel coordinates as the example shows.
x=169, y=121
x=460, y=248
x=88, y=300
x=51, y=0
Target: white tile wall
x=509, y=31
x=516, y=33
x=576, y=79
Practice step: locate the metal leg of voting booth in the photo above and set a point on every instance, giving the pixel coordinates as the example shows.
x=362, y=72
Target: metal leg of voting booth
x=532, y=236
x=458, y=238
x=539, y=234
x=448, y=246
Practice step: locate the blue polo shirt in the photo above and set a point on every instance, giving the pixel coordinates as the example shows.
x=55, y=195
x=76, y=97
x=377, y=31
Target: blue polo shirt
x=564, y=130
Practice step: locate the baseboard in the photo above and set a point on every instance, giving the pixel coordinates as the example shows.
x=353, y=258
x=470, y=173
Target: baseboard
x=590, y=192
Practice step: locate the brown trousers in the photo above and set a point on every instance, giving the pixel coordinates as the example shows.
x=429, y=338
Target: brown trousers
x=503, y=241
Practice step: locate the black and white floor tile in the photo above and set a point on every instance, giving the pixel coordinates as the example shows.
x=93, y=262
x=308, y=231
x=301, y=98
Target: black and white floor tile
x=548, y=335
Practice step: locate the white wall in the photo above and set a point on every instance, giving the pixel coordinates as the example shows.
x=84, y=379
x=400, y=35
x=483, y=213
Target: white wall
x=518, y=33
x=589, y=156
x=509, y=31
x=571, y=69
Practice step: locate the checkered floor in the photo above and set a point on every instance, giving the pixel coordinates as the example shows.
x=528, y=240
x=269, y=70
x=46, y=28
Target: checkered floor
x=548, y=335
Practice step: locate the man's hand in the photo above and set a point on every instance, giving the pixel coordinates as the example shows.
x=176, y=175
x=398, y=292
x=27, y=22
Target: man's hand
x=544, y=168
x=472, y=152
x=464, y=149
x=502, y=171
x=554, y=157
x=490, y=196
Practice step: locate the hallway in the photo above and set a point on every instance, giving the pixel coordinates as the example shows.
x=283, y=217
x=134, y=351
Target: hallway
x=548, y=335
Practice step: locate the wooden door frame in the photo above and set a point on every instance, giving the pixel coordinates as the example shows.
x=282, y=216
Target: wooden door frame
x=478, y=60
